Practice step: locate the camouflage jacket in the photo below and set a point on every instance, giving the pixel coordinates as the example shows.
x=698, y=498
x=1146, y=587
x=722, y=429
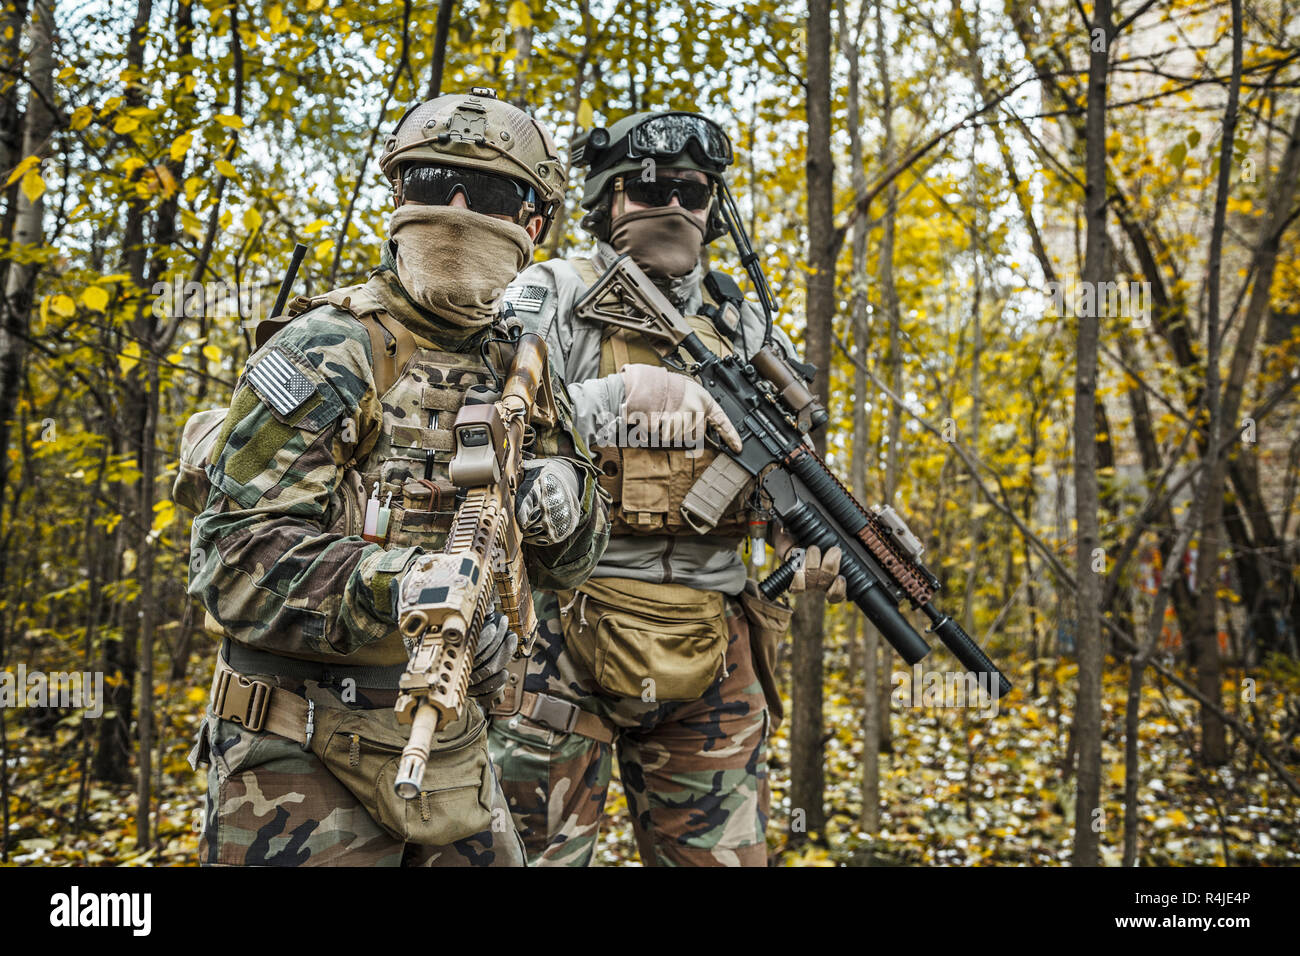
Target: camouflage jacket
x=276, y=557
x=544, y=296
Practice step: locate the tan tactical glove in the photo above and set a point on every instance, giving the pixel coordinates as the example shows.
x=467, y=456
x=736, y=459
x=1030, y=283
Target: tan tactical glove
x=677, y=408
x=820, y=572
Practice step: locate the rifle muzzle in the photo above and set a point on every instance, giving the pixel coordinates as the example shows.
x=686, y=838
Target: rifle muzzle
x=410, y=772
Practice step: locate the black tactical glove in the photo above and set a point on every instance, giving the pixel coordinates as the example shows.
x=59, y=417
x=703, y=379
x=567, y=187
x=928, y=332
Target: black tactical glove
x=496, y=646
x=548, y=502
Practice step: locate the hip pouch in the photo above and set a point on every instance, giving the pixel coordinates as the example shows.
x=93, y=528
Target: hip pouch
x=768, y=622
x=658, y=642
x=362, y=748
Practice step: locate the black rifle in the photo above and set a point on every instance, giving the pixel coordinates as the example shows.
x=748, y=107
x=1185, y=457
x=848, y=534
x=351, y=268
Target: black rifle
x=767, y=400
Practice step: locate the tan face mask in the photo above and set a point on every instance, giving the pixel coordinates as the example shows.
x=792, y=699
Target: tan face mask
x=455, y=262
x=664, y=241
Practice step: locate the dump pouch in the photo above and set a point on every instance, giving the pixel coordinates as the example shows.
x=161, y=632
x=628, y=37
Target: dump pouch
x=768, y=622
x=362, y=748
x=659, y=642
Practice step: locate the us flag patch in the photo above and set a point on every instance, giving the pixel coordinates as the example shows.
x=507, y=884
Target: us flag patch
x=279, y=383
x=526, y=298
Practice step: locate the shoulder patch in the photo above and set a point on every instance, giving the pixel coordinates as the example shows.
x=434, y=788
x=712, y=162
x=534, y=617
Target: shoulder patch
x=527, y=298
x=279, y=383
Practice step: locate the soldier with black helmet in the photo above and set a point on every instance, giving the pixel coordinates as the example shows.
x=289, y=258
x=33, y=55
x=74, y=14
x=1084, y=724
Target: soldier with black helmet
x=663, y=657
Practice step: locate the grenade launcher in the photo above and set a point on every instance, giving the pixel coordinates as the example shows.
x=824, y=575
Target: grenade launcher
x=769, y=403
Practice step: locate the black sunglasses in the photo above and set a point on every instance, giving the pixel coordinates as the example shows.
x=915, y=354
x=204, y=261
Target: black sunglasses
x=660, y=192
x=485, y=193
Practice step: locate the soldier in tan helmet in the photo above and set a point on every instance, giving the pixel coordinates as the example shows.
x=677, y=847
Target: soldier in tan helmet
x=328, y=478
x=663, y=657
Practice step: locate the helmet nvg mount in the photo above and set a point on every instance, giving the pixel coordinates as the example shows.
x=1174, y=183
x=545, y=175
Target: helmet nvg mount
x=673, y=139
x=477, y=131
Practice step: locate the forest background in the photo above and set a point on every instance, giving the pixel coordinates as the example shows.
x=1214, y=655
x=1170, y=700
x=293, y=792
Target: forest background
x=1045, y=250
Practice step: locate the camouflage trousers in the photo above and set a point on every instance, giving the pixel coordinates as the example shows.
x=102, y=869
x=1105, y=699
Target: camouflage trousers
x=271, y=803
x=695, y=772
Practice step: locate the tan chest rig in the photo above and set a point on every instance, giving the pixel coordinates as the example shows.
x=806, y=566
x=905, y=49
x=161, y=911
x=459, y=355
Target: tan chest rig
x=420, y=389
x=648, y=485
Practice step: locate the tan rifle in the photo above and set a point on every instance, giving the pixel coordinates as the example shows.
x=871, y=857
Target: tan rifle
x=445, y=598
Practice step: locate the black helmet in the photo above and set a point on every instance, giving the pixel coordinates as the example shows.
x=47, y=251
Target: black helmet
x=674, y=138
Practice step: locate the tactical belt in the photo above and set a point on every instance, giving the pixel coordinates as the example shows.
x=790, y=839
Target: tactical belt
x=564, y=717
x=258, y=706
x=248, y=660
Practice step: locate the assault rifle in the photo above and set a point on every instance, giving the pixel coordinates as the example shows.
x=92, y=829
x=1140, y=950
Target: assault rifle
x=445, y=598
x=768, y=401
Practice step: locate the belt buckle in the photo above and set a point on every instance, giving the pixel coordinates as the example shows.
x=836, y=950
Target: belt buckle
x=242, y=701
x=547, y=710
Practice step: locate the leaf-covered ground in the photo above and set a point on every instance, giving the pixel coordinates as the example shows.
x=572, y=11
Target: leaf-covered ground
x=957, y=789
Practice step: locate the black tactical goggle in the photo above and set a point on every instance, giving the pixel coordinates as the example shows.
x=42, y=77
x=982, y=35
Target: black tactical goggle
x=662, y=137
x=485, y=193
x=660, y=192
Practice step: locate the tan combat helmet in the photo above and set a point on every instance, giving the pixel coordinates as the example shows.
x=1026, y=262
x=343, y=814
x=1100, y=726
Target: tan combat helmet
x=478, y=131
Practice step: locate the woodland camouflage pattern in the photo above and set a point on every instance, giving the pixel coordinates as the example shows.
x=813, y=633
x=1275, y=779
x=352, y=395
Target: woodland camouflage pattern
x=270, y=803
x=274, y=559
x=279, y=565
x=695, y=772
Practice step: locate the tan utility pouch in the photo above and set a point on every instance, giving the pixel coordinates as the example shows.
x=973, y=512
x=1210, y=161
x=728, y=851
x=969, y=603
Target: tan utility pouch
x=363, y=747
x=768, y=622
x=659, y=642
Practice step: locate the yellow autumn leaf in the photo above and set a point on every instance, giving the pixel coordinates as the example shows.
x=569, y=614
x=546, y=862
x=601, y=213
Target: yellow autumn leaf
x=164, y=514
x=21, y=169
x=252, y=219
x=63, y=306
x=126, y=124
x=95, y=299
x=212, y=353
x=129, y=358
x=518, y=15
x=314, y=227
x=80, y=118
x=586, y=117
x=33, y=186
x=181, y=146
x=190, y=223
x=225, y=168
x=230, y=120
x=323, y=249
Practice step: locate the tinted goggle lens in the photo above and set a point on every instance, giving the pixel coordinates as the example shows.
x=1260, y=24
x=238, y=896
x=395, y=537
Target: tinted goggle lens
x=484, y=192
x=659, y=192
x=669, y=135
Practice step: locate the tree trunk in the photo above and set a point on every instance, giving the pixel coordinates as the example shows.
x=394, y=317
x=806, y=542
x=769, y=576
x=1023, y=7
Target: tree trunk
x=1205, y=639
x=1087, y=727
x=28, y=228
x=807, y=783
x=850, y=40
x=440, y=30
